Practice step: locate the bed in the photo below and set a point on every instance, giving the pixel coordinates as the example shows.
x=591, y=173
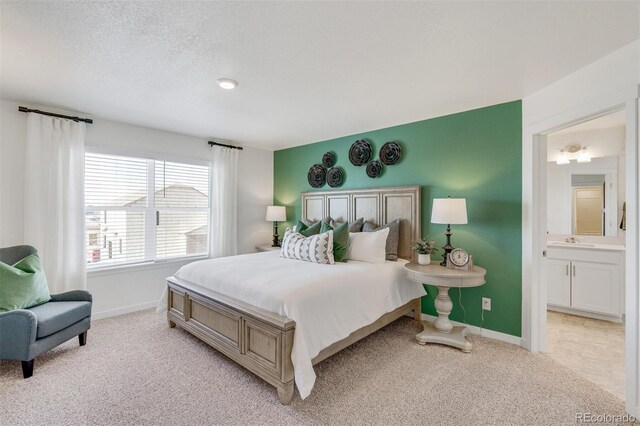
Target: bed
x=279, y=317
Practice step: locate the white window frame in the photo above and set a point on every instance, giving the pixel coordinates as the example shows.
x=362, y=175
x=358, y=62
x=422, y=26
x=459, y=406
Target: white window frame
x=150, y=210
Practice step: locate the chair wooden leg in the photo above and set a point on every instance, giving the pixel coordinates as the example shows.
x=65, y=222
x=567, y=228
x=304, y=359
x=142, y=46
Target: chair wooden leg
x=27, y=368
x=82, y=338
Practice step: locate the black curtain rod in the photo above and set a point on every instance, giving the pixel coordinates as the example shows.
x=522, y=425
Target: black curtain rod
x=212, y=143
x=52, y=114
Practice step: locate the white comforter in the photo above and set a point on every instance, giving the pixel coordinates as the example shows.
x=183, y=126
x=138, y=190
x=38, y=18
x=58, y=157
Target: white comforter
x=327, y=302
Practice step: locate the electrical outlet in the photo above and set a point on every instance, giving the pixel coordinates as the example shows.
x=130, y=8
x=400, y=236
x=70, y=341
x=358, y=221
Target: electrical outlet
x=486, y=304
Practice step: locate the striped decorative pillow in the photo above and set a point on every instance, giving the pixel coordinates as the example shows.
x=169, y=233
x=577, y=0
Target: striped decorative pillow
x=316, y=248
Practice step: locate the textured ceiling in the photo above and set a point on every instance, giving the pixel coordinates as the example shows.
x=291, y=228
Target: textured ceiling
x=308, y=71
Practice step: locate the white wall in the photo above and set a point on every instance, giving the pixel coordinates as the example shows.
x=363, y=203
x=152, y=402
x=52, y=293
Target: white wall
x=13, y=131
x=120, y=291
x=609, y=74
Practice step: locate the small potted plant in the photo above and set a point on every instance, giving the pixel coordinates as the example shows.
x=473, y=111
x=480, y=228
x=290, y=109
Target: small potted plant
x=425, y=248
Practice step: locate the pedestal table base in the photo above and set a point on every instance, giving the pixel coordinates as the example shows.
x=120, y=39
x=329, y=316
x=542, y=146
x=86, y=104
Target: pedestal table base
x=456, y=337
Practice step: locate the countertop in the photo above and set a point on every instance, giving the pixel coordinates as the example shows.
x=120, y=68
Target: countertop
x=586, y=246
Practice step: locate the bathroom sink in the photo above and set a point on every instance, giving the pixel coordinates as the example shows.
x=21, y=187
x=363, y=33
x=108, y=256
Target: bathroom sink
x=563, y=243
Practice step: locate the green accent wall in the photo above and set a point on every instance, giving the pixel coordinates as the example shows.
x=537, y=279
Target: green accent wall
x=474, y=155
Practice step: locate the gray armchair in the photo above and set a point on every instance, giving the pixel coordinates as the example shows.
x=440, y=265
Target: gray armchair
x=28, y=333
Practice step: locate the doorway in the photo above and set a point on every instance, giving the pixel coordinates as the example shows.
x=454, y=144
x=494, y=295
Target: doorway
x=535, y=247
x=585, y=275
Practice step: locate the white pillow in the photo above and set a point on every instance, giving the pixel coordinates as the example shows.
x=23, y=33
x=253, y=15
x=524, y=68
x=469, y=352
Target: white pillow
x=368, y=246
x=315, y=248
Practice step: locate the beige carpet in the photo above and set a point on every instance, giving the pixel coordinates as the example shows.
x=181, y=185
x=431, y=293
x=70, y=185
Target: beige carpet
x=135, y=370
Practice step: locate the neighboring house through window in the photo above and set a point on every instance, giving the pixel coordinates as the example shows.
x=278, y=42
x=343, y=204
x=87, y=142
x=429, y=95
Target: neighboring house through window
x=142, y=210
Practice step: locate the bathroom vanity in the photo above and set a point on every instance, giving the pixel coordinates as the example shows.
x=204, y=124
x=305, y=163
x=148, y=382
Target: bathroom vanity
x=586, y=279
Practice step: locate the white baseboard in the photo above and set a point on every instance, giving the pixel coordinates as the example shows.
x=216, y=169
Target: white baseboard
x=125, y=310
x=503, y=337
x=491, y=334
x=612, y=318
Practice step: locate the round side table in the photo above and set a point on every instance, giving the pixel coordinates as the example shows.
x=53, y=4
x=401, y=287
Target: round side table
x=442, y=330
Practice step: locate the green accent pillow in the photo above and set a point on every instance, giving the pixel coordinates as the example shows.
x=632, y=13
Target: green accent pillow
x=340, y=240
x=300, y=226
x=311, y=230
x=23, y=285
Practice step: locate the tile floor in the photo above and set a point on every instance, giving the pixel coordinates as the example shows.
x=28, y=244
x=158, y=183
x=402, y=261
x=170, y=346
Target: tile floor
x=591, y=347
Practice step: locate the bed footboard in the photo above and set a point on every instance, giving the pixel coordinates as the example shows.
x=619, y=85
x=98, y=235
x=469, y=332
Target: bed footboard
x=258, y=340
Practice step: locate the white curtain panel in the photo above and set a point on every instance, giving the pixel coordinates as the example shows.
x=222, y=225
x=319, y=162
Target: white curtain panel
x=54, y=199
x=223, y=220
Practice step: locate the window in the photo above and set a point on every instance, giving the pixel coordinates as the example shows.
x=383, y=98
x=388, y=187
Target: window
x=141, y=210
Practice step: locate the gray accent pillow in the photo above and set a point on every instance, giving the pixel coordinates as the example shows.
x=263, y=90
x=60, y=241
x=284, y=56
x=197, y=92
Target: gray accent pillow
x=392, y=239
x=308, y=222
x=353, y=226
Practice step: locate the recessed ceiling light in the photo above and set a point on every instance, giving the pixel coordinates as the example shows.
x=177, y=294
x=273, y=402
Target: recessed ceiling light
x=227, y=83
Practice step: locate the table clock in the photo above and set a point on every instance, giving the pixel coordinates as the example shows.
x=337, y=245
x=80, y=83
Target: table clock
x=460, y=259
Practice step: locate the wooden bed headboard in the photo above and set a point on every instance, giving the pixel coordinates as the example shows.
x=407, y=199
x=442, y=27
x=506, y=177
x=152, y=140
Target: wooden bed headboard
x=377, y=205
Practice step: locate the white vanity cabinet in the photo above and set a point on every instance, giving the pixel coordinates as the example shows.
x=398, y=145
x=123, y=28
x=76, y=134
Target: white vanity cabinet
x=586, y=280
x=558, y=283
x=596, y=287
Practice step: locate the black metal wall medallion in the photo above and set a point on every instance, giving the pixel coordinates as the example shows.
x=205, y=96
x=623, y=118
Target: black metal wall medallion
x=335, y=177
x=390, y=153
x=360, y=152
x=374, y=169
x=328, y=159
x=316, y=176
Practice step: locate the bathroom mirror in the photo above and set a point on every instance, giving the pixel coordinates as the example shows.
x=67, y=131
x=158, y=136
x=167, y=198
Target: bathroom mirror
x=586, y=178
x=582, y=198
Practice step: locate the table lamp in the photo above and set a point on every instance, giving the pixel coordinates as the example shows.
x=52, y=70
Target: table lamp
x=276, y=214
x=449, y=211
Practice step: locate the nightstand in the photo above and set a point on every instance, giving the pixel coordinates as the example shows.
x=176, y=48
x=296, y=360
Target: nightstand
x=267, y=247
x=442, y=330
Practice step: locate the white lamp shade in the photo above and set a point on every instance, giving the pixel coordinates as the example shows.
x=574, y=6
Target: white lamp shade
x=276, y=213
x=450, y=211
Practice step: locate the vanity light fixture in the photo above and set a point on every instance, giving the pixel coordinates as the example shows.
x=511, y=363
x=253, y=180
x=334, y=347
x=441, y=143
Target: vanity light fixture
x=227, y=83
x=563, y=158
x=584, y=156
